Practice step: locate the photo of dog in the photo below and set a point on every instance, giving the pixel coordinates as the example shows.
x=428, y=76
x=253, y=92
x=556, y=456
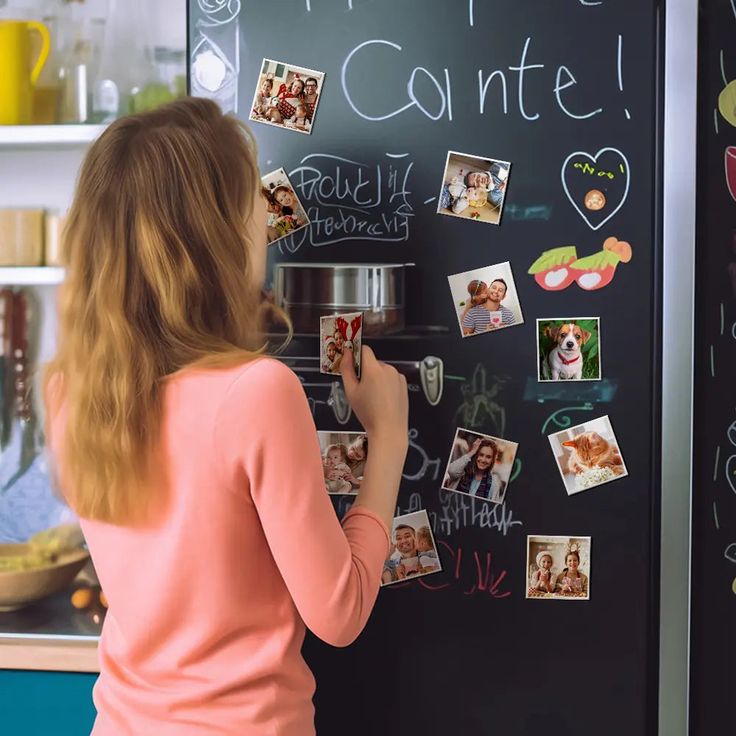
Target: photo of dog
x=588, y=455
x=569, y=349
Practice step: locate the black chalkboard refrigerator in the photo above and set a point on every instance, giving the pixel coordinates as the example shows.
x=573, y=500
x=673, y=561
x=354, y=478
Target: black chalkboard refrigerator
x=481, y=181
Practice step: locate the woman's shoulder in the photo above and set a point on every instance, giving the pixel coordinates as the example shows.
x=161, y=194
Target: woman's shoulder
x=262, y=374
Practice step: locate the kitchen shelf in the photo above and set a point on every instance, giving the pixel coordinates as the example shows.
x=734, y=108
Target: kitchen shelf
x=48, y=136
x=30, y=275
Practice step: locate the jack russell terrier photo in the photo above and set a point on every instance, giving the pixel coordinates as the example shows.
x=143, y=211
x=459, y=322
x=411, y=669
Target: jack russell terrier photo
x=561, y=344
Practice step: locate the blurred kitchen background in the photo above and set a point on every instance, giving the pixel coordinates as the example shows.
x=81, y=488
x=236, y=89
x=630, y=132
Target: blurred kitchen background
x=67, y=68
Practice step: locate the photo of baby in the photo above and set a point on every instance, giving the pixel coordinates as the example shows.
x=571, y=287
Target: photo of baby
x=480, y=466
x=473, y=187
x=286, y=214
x=413, y=549
x=588, y=455
x=339, y=335
x=569, y=349
x=558, y=567
x=344, y=455
x=485, y=299
x=287, y=96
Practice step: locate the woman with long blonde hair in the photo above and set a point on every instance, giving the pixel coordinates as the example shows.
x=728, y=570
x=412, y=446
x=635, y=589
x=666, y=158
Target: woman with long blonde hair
x=190, y=457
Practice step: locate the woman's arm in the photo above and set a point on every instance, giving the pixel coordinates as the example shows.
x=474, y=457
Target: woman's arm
x=332, y=572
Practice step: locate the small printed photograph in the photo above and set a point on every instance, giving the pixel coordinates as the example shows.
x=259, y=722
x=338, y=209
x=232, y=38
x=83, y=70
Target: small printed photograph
x=473, y=187
x=340, y=335
x=558, y=567
x=480, y=465
x=588, y=455
x=287, y=96
x=344, y=455
x=485, y=299
x=569, y=349
x=413, y=549
x=286, y=214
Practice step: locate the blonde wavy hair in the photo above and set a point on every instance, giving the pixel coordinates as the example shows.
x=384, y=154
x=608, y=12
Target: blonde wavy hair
x=159, y=277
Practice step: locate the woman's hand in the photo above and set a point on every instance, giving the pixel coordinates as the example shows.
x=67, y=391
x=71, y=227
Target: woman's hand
x=474, y=447
x=380, y=399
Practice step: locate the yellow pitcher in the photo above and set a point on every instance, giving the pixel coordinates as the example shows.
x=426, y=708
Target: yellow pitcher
x=17, y=78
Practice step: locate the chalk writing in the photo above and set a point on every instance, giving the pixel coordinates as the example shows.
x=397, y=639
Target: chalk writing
x=219, y=12
x=416, y=448
x=471, y=571
x=459, y=510
x=480, y=408
x=616, y=168
x=619, y=70
x=439, y=102
x=561, y=420
x=350, y=200
x=443, y=94
x=415, y=504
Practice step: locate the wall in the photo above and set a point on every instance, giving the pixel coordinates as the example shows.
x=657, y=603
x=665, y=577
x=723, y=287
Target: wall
x=51, y=703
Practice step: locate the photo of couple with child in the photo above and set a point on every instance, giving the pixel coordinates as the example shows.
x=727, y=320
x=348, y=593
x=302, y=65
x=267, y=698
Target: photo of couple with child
x=556, y=567
x=340, y=335
x=413, y=551
x=473, y=188
x=485, y=299
x=480, y=466
x=285, y=212
x=286, y=96
x=344, y=455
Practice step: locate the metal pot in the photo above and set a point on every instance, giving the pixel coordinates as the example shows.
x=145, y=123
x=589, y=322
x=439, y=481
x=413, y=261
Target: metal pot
x=308, y=291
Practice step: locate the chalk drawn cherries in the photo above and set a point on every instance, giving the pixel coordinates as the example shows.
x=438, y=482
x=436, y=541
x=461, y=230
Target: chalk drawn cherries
x=556, y=269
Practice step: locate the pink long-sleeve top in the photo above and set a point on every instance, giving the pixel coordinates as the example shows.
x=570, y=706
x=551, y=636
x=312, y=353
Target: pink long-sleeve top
x=208, y=606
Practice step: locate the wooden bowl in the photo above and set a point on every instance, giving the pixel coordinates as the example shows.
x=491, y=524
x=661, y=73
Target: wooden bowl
x=18, y=588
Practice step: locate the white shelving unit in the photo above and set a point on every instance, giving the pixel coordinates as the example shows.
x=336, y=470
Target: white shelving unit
x=48, y=136
x=30, y=275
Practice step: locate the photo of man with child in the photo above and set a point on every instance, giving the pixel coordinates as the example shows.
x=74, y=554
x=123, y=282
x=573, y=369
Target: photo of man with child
x=286, y=96
x=344, y=455
x=473, y=187
x=558, y=567
x=340, y=335
x=286, y=214
x=413, y=549
x=485, y=299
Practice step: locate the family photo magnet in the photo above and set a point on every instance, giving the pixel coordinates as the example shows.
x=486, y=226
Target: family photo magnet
x=287, y=96
x=286, y=213
x=558, y=567
x=413, y=549
x=473, y=187
x=485, y=299
x=344, y=455
x=340, y=336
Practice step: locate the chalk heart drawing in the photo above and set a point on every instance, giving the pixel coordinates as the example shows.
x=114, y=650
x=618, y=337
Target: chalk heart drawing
x=607, y=171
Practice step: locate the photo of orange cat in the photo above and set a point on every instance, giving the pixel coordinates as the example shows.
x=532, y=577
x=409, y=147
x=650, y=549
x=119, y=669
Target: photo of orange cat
x=588, y=455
